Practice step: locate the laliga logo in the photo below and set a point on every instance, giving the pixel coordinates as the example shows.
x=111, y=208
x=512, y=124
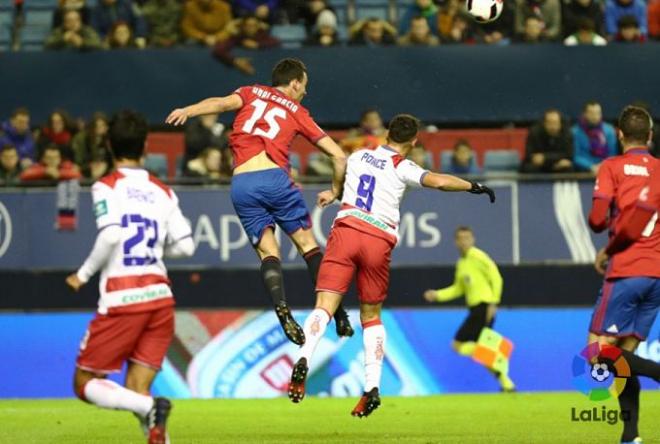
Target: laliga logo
x=600, y=380
x=5, y=229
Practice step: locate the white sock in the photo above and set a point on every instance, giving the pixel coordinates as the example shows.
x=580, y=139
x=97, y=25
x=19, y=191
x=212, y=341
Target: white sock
x=110, y=395
x=314, y=328
x=374, y=337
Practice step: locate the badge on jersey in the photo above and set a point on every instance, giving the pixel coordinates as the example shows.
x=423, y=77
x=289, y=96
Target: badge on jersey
x=100, y=208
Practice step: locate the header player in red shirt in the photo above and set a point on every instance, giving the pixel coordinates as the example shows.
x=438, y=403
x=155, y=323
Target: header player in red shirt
x=361, y=241
x=262, y=191
x=628, y=302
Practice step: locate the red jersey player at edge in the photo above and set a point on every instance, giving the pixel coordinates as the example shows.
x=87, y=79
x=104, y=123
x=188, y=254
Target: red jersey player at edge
x=361, y=241
x=628, y=302
x=262, y=191
x=139, y=221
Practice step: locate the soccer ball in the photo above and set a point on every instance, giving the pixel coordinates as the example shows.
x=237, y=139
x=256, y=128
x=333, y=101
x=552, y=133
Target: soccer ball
x=484, y=11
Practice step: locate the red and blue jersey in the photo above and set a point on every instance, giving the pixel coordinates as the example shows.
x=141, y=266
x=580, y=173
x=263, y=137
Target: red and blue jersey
x=268, y=121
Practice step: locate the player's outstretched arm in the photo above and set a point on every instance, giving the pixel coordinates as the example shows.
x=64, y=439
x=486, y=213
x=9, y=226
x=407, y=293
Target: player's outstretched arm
x=212, y=105
x=338, y=157
x=447, y=182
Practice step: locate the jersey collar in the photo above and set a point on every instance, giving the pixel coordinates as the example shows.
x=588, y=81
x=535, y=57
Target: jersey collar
x=389, y=148
x=638, y=150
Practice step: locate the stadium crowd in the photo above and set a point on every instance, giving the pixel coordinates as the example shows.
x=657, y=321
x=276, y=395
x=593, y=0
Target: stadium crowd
x=223, y=25
x=65, y=148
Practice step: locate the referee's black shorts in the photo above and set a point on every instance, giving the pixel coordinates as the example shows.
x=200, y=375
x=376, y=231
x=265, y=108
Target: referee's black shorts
x=476, y=320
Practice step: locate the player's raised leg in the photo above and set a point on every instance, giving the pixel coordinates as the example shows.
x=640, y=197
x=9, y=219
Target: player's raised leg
x=314, y=327
x=374, y=337
x=272, y=277
x=310, y=251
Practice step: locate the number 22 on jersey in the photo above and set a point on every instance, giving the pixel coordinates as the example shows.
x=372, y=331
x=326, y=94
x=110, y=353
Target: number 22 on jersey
x=269, y=117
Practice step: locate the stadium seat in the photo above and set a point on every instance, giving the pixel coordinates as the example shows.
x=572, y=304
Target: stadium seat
x=365, y=12
x=291, y=36
x=157, y=164
x=503, y=161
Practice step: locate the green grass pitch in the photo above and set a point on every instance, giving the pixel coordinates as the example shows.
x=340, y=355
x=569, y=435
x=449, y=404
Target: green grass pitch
x=488, y=418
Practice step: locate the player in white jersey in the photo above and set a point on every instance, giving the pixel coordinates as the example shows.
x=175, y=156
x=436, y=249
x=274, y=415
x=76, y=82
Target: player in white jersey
x=361, y=242
x=139, y=221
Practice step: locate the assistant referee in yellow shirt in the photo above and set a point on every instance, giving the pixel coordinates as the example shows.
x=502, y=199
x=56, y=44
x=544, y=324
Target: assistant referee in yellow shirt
x=479, y=280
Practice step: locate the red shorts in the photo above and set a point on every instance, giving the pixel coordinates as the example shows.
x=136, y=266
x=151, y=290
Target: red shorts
x=111, y=340
x=350, y=250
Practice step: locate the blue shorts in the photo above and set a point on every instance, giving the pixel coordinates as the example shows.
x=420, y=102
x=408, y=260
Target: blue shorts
x=265, y=198
x=626, y=307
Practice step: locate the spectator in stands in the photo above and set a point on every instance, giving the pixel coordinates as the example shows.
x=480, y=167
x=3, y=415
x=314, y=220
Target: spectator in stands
x=420, y=156
x=121, y=37
x=90, y=147
x=372, y=32
x=446, y=14
x=306, y=11
x=533, y=32
x=253, y=34
x=203, y=133
x=421, y=8
x=10, y=166
x=204, y=21
x=463, y=30
x=68, y=5
x=549, y=13
x=576, y=12
x=463, y=160
x=108, y=12
x=51, y=167
x=208, y=165
x=16, y=132
x=325, y=33
x=500, y=31
x=370, y=134
x=56, y=132
x=585, y=35
x=73, y=34
x=163, y=18
x=419, y=34
x=654, y=19
x=593, y=139
x=629, y=30
x=549, y=146
x=264, y=10
x=615, y=10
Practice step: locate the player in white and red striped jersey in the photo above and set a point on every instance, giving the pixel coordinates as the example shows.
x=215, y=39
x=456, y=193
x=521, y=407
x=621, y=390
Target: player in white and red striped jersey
x=361, y=241
x=139, y=222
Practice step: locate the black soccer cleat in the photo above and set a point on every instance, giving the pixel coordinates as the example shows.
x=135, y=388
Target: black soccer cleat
x=342, y=323
x=367, y=404
x=298, y=378
x=157, y=421
x=292, y=330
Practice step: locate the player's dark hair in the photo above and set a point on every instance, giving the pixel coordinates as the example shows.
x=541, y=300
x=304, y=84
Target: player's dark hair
x=463, y=228
x=127, y=134
x=21, y=111
x=552, y=111
x=50, y=147
x=590, y=103
x=635, y=124
x=368, y=111
x=628, y=21
x=403, y=128
x=287, y=70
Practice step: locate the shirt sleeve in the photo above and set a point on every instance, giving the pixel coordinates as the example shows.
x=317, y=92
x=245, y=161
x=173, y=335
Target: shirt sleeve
x=178, y=227
x=106, y=209
x=308, y=127
x=245, y=93
x=602, y=196
x=454, y=291
x=411, y=173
